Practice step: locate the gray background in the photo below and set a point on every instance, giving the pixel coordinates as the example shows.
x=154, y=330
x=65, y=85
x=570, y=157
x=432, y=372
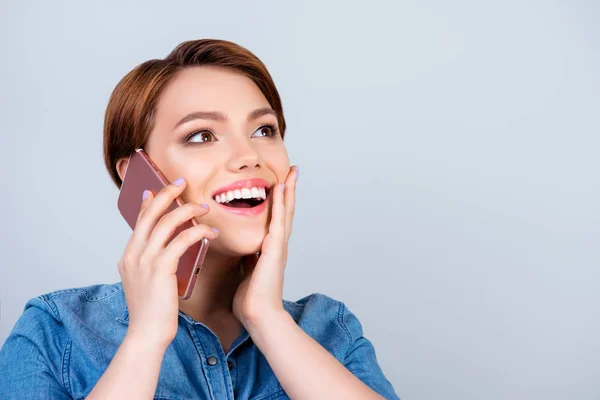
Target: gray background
x=449, y=158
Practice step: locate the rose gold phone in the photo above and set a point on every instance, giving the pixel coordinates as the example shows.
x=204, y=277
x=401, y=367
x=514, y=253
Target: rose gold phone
x=142, y=174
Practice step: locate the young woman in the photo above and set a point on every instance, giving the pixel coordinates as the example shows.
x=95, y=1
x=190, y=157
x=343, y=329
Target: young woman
x=210, y=117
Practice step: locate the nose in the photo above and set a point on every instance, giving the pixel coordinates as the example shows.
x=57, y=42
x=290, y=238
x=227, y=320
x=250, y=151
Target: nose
x=244, y=156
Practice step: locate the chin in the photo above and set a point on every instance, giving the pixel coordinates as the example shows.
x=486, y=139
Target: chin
x=239, y=242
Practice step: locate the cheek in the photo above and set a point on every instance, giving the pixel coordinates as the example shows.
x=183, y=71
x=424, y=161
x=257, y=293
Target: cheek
x=279, y=163
x=199, y=176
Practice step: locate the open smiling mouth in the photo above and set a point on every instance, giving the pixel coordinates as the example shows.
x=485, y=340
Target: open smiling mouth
x=243, y=198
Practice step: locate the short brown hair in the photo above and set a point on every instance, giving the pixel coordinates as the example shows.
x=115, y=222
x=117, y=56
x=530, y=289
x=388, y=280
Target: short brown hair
x=131, y=110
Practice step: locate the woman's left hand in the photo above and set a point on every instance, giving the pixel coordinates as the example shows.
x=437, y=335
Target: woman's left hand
x=260, y=294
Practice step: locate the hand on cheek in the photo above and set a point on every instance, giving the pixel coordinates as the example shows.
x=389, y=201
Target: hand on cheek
x=259, y=296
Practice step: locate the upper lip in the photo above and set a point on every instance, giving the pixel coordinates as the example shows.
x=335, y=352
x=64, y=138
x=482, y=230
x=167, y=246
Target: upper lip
x=244, y=183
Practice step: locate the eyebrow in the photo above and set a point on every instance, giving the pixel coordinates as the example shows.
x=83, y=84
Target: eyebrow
x=219, y=116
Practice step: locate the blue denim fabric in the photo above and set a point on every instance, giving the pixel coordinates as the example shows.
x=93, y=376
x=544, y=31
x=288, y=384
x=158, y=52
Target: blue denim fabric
x=64, y=341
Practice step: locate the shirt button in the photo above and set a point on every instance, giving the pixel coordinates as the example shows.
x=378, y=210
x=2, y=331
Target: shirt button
x=212, y=360
x=230, y=365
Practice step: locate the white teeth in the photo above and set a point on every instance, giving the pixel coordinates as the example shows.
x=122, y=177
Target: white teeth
x=244, y=193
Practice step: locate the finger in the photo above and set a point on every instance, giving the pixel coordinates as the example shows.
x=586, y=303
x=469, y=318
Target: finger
x=157, y=206
x=290, y=200
x=169, y=223
x=147, y=197
x=153, y=207
x=134, y=247
x=169, y=258
x=277, y=225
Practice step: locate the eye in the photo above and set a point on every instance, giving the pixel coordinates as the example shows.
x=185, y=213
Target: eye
x=266, y=131
x=204, y=135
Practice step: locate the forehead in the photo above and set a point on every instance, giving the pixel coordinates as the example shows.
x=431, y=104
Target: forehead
x=207, y=88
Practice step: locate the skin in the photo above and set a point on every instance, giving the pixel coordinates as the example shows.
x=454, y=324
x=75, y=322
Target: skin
x=226, y=296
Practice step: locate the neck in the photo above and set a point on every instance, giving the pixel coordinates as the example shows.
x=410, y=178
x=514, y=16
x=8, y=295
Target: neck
x=215, y=287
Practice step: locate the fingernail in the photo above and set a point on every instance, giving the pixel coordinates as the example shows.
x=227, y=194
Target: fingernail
x=204, y=205
x=216, y=230
x=145, y=195
x=179, y=181
x=297, y=172
x=282, y=186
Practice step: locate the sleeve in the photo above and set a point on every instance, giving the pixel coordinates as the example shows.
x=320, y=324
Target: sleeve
x=30, y=359
x=361, y=359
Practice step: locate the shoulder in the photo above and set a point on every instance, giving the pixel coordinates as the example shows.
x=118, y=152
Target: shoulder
x=54, y=329
x=49, y=320
x=88, y=293
x=314, y=305
x=56, y=320
x=75, y=302
x=326, y=319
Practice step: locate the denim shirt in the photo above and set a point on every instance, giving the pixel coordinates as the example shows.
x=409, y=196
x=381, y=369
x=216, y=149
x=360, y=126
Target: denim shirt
x=65, y=340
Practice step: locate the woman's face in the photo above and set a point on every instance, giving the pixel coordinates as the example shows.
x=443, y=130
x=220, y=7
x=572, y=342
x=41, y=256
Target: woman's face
x=215, y=128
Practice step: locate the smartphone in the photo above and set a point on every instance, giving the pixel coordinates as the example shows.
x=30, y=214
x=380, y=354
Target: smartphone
x=142, y=174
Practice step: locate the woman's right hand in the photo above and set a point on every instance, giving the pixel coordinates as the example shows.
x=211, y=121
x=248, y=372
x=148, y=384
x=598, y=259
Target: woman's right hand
x=149, y=264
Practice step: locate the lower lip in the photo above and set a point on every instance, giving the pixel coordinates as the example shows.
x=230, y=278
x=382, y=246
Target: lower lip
x=248, y=212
